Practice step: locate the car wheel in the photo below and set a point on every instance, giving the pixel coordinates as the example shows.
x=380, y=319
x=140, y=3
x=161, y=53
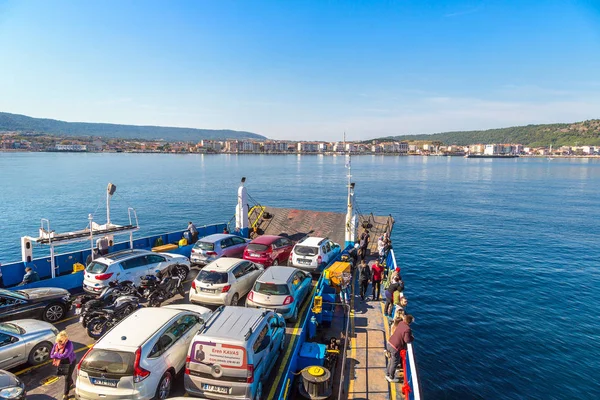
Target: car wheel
x=54, y=312
x=164, y=386
x=181, y=271
x=275, y=262
x=295, y=316
x=40, y=353
x=234, y=300
x=258, y=393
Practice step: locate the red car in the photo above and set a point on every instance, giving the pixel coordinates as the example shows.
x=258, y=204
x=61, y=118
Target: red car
x=269, y=250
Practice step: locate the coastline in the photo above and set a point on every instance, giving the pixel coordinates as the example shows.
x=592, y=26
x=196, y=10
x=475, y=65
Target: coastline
x=288, y=153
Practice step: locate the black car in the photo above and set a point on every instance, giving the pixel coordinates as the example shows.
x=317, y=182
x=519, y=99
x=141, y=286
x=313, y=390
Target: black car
x=11, y=387
x=48, y=304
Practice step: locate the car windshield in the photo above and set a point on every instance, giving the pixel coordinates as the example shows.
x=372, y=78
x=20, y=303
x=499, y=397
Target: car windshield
x=110, y=362
x=96, y=268
x=257, y=247
x=14, y=293
x=11, y=328
x=204, y=246
x=306, y=250
x=213, y=277
x=271, y=288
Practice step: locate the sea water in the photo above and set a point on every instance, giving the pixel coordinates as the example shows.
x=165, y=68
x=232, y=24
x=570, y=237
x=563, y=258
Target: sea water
x=500, y=257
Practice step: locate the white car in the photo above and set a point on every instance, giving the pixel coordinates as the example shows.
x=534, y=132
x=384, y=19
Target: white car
x=224, y=281
x=140, y=357
x=131, y=265
x=313, y=253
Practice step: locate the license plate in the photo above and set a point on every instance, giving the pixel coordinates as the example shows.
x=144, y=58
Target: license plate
x=207, y=290
x=77, y=311
x=303, y=261
x=104, y=382
x=216, y=389
x=254, y=255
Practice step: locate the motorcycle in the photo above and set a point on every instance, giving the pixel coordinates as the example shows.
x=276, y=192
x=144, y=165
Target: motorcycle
x=103, y=319
x=87, y=305
x=157, y=290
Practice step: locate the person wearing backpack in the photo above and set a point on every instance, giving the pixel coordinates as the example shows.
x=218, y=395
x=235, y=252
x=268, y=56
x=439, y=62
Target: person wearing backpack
x=364, y=277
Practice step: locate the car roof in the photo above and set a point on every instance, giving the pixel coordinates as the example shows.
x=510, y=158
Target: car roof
x=266, y=239
x=312, y=241
x=277, y=274
x=137, y=328
x=123, y=254
x=216, y=237
x=223, y=264
x=231, y=322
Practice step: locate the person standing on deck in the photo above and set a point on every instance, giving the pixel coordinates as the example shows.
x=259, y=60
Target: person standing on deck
x=377, y=276
x=399, y=341
x=364, y=244
x=193, y=232
x=63, y=357
x=102, y=245
x=396, y=285
x=364, y=277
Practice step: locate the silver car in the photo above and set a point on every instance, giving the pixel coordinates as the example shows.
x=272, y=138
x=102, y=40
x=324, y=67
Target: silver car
x=281, y=289
x=25, y=340
x=212, y=247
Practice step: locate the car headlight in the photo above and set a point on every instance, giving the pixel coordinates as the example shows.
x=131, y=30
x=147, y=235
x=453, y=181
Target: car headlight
x=11, y=393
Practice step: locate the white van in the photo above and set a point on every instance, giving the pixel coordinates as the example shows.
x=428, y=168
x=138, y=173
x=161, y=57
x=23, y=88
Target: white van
x=139, y=357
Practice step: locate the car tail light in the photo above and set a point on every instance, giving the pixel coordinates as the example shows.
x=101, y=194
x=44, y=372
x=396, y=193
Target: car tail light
x=211, y=253
x=194, y=285
x=319, y=260
x=103, y=277
x=269, y=250
x=288, y=300
x=139, y=373
x=187, y=365
x=194, y=251
x=250, y=376
x=251, y=295
x=291, y=255
x=226, y=288
x=83, y=358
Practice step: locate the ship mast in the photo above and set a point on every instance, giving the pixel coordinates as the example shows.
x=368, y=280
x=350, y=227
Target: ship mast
x=351, y=220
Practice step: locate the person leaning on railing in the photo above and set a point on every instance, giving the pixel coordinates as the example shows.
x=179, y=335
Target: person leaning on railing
x=399, y=341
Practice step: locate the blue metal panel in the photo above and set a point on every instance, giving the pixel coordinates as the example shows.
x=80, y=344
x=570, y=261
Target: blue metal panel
x=13, y=273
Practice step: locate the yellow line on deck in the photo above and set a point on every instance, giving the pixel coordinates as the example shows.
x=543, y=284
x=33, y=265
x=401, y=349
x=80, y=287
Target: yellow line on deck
x=49, y=361
x=67, y=319
x=292, y=342
x=387, y=335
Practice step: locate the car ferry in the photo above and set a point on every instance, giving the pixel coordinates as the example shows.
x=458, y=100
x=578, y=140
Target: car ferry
x=332, y=349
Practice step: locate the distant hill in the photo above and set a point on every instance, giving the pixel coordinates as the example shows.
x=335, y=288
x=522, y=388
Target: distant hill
x=25, y=124
x=578, y=133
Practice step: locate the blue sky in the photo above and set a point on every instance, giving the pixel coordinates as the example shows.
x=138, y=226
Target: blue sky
x=303, y=69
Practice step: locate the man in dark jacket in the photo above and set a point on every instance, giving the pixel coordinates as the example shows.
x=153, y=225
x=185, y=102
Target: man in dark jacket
x=399, y=340
x=364, y=276
x=364, y=244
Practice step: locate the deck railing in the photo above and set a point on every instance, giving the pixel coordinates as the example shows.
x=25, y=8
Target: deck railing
x=411, y=376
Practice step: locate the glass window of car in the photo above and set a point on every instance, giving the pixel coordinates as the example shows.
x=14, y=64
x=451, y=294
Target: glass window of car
x=207, y=246
x=109, y=361
x=96, y=268
x=298, y=278
x=14, y=293
x=163, y=343
x=326, y=248
x=285, y=242
x=260, y=338
x=155, y=259
x=237, y=240
x=10, y=328
x=213, y=277
x=238, y=271
x=249, y=267
x=306, y=250
x=271, y=288
x=186, y=322
x=134, y=262
x=226, y=243
x=257, y=247
x=5, y=339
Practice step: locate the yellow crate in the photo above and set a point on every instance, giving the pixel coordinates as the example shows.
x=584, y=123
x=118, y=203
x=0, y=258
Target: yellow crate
x=334, y=273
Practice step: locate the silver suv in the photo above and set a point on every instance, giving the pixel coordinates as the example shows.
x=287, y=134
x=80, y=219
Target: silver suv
x=233, y=355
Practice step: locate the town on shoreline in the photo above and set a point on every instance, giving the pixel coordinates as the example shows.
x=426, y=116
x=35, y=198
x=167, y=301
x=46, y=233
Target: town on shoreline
x=15, y=141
